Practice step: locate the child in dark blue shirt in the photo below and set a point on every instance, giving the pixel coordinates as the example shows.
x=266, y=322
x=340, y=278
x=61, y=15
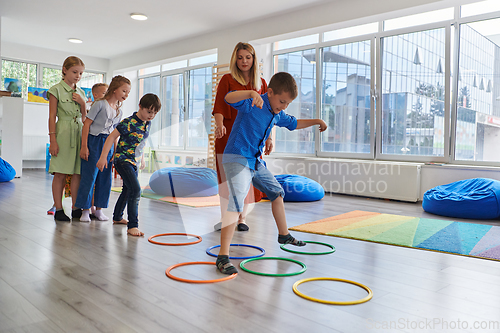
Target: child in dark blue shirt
x=133, y=132
x=257, y=115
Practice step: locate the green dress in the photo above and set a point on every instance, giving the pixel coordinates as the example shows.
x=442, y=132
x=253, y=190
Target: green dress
x=68, y=130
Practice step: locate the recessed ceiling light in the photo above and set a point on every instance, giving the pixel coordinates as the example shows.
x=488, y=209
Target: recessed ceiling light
x=138, y=17
x=75, y=40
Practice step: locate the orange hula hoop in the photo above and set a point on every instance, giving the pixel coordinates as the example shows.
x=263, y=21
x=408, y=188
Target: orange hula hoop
x=167, y=272
x=150, y=239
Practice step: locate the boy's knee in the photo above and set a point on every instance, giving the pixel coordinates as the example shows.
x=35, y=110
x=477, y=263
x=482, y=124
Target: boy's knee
x=277, y=195
x=135, y=192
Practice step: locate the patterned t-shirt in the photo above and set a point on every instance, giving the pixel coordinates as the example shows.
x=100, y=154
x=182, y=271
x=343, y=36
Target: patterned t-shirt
x=133, y=135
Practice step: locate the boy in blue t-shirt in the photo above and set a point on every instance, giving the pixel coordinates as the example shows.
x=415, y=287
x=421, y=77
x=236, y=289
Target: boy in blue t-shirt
x=133, y=132
x=257, y=115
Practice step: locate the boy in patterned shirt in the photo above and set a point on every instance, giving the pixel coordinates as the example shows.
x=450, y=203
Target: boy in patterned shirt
x=133, y=132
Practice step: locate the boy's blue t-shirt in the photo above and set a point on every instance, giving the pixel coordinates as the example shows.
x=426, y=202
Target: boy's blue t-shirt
x=251, y=129
x=133, y=135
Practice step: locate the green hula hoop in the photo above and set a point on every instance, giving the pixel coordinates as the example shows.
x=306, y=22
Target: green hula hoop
x=312, y=253
x=242, y=265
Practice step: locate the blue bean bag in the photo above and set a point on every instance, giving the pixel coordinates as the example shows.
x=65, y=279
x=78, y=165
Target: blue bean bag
x=477, y=198
x=184, y=182
x=300, y=188
x=7, y=172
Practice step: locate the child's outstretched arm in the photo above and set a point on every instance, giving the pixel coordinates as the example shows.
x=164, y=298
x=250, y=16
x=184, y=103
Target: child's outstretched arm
x=303, y=123
x=240, y=95
x=103, y=160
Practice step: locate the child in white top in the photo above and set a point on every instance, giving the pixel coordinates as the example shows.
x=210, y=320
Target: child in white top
x=102, y=119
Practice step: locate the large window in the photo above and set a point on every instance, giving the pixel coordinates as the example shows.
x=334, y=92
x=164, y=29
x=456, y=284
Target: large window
x=413, y=93
x=186, y=112
x=185, y=90
x=345, y=98
x=436, y=87
x=302, y=65
x=27, y=73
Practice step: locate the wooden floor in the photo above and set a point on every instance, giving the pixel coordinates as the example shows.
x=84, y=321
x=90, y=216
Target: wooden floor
x=92, y=277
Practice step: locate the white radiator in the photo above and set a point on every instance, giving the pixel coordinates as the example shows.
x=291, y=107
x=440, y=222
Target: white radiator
x=377, y=179
x=34, y=147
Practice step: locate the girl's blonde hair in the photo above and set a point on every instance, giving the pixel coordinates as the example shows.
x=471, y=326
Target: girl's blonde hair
x=70, y=62
x=116, y=83
x=255, y=81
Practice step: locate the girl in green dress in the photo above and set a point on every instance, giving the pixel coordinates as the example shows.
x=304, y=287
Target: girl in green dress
x=67, y=105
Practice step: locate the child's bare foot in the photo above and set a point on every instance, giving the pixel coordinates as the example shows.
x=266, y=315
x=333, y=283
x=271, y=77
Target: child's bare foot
x=122, y=221
x=135, y=232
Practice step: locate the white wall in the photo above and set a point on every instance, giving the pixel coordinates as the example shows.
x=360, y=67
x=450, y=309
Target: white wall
x=11, y=123
x=434, y=175
x=35, y=134
x=394, y=179
x=491, y=140
x=0, y=41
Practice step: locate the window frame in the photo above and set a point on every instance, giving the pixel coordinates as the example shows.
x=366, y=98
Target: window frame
x=184, y=71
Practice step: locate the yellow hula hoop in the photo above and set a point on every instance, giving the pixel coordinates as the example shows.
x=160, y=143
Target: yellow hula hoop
x=366, y=299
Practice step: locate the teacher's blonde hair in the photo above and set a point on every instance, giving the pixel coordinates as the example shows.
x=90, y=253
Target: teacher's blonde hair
x=255, y=81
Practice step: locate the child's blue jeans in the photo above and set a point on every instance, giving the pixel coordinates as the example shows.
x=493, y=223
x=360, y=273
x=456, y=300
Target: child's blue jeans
x=91, y=176
x=130, y=196
x=239, y=178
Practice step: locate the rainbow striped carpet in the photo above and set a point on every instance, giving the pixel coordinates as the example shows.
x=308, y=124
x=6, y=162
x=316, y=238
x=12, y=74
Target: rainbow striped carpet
x=468, y=239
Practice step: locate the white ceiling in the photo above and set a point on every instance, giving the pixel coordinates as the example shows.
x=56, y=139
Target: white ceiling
x=107, y=30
